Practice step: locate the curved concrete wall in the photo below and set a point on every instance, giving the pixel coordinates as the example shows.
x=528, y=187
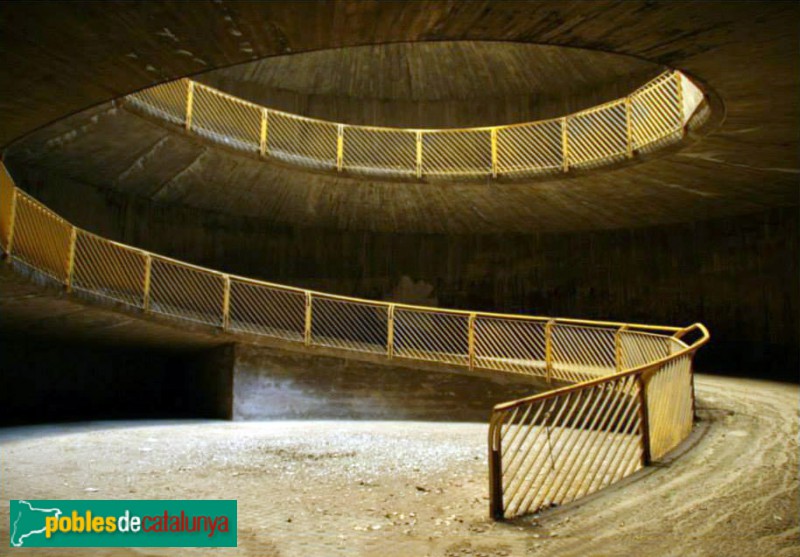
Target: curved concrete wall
x=273, y=384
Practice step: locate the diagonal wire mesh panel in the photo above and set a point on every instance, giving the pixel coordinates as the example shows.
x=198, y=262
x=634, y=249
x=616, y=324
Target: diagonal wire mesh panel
x=431, y=335
x=167, y=101
x=267, y=310
x=530, y=149
x=301, y=141
x=457, y=153
x=558, y=448
x=638, y=348
x=226, y=119
x=651, y=117
x=597, y=135
x=669, y=405
x=109, y=270
x=657, y=112
x=6, y=207
x=581, y=353
x=516, y=345
x=41, y=238
x=351, y=325
x=187, y=292
x=380, y=151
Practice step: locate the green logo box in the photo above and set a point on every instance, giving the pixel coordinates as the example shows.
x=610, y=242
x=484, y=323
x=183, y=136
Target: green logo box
x=123, y=523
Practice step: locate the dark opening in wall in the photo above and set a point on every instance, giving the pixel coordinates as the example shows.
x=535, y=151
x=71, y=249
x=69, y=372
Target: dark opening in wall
x=47, y=381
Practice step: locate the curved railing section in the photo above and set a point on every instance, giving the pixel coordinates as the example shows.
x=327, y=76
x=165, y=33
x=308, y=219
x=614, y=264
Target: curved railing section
x=555, y=447
x=652, y=116
x=629, y=397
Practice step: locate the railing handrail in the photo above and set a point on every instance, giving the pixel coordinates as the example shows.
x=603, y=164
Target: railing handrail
x=643, y=121
x=641, y=369
x=645, y=87
x=631, y=388
x=398, y=305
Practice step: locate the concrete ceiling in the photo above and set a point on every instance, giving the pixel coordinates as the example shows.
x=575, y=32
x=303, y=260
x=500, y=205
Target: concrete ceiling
x=436, y=84
x=35, y=312
x=439, y=70
x=112, y=148
x=65, y=57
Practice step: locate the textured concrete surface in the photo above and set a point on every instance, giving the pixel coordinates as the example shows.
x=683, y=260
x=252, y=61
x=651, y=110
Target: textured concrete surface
x=125, y=155
x=436, y=84
x=745, y=53
x=271, y=384
x=415, y=488
x=44, y=312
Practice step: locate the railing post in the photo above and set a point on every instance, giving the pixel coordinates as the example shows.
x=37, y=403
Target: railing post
x=628, y=127
x=679, y=87
x=678, y=336
x=694, y=397
x=339, y=147
x=263, y=142
x=419, y=155
x=618, y=354
x=548, y=349
x=189, y=105
x=390, y=333
x=148, y=273
x=70, y=262
x=12, y=220
x=471, y=340
x=307, y=333
x=496, y=510
x=494, y=152
x=226, y=302
x=565, y=144
x=644, y=418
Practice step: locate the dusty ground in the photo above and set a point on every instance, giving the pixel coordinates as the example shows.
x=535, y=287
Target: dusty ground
x=414, y=489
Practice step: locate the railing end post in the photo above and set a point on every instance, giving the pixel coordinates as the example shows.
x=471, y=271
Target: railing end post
x=645, y=420
x=496, y=510
x=628, y=127
x=12, y=217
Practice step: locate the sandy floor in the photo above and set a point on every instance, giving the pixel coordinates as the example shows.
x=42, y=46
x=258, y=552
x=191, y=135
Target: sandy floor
x=408, y=488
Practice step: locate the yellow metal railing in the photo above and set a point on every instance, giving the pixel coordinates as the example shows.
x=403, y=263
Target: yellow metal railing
x=651, y=116
x=630, y=396
x=550, y=449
